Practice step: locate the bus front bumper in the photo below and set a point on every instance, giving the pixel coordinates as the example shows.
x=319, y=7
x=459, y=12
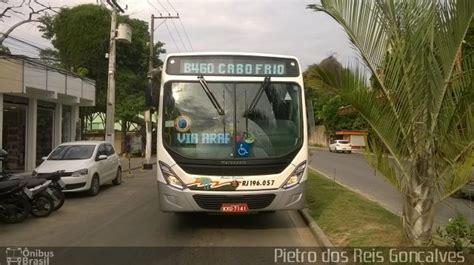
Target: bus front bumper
x=174, y=200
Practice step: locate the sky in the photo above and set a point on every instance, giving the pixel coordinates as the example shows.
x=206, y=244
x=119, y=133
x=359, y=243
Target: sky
x=267, y=26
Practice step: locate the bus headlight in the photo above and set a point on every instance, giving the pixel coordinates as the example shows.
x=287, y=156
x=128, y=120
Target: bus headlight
x=170, y=177
x=295, y=177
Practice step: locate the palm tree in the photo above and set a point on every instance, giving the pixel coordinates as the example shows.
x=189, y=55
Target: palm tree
x=420, y=105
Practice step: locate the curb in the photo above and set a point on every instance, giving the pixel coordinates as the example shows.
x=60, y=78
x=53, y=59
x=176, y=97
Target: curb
x=317, y=232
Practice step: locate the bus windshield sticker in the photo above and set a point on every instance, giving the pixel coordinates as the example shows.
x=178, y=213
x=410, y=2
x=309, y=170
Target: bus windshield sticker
x=232, y=184
x=249, y=138
x=183, y=123
x=206, y=183
x=243, y=149
x=203, y=138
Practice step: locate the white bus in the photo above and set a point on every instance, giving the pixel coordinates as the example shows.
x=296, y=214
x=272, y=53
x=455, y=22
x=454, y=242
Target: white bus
x=232, y=134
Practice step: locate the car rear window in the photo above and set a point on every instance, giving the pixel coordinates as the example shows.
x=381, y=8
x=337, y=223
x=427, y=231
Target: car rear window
x=343, y=142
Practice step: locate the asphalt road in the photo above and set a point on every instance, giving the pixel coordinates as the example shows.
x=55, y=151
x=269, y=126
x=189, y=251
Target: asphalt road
x=128, y=215
x=353, y=171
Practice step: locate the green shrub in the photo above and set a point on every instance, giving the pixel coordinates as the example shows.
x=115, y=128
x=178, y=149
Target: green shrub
x=458, y=233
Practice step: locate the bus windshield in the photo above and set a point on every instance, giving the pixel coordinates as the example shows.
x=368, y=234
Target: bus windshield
x=194, y=128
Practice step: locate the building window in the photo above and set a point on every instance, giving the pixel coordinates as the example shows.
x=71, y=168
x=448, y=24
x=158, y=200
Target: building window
x=14, y=135
x=44, y=130
x=66, y=124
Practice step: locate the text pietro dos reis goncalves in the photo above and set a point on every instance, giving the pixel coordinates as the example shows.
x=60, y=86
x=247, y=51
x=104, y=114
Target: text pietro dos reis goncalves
x=372, y=255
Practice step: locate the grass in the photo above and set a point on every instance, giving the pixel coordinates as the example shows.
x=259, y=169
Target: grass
x=349, y=219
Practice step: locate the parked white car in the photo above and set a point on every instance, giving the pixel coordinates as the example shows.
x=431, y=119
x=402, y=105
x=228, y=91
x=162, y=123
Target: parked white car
x=87, y=165
x=340, y=146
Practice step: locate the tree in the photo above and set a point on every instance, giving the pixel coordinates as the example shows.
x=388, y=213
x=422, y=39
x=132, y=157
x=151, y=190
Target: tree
x=81, y=38
x=80, y=35
x=326, y=104
x=50, y=57
x=34, y=9
x=4, y=50
x=421, y=106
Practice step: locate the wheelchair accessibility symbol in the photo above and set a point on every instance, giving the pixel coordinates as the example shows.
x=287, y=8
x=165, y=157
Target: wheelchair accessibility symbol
x=243, y=149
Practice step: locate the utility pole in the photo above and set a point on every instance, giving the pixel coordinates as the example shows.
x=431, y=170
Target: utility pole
x=148, y=120
x=110, y=112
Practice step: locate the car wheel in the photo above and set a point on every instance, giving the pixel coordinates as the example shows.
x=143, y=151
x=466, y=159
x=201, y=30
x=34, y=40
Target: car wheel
x=118, y=177
x=95, y=186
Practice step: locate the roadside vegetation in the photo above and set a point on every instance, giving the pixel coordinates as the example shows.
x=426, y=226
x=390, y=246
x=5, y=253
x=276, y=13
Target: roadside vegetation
x=80, y=37
x=419, y=101
x=349, y=219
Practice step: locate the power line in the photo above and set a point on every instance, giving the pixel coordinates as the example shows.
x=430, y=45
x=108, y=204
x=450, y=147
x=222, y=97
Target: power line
x=174, y=25
x=182, y=26
x=186, y=34
x=172, y=38
x=17, y=47
x=171, y=6
x=35, y=45
x=154, y=7
x=180, y=38
x=164, y=8
x=179, y=35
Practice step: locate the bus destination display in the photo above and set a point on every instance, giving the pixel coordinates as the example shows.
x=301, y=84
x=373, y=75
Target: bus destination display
x=232, y=66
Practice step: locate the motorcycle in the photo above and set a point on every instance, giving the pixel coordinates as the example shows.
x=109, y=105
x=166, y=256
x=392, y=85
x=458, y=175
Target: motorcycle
x=15, y=203
x=42, y=204
x=55, y=190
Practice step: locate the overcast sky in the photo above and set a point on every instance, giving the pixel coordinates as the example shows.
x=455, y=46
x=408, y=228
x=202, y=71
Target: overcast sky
x=268, y=26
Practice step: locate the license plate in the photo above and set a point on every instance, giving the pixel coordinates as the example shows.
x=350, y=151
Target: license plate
x=234, y=207
x=62, y=184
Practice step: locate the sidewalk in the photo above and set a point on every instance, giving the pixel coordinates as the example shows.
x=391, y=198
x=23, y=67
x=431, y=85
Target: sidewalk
x=135, y=162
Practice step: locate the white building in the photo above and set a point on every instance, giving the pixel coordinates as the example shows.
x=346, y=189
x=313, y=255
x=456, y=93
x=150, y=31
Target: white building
x=39, y=109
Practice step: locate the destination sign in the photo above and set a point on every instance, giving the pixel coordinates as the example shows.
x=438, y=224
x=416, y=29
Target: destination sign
x=232, y=66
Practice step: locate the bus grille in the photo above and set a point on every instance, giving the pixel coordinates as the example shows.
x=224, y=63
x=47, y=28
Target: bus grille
x=214, y=202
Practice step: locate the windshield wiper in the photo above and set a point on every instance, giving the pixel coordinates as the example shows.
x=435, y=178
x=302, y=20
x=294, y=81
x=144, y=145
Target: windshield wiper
x=210, y=95
x=263, y=87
